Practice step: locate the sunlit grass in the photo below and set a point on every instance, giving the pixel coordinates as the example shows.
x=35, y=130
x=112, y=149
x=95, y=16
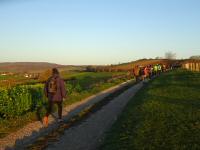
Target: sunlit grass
x=163, y=115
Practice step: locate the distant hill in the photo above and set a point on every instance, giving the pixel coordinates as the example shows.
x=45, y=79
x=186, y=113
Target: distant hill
x=129, y=66
x=144, y=62
x=32, y=67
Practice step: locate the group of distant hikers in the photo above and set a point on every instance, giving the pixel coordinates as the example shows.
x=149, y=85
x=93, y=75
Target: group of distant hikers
x=141, y=73
x=55, y=87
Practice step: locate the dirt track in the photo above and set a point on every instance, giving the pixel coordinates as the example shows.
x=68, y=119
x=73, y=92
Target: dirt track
x=89, y=134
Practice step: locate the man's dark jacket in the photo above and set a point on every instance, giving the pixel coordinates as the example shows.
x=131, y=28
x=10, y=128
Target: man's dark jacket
x=61, y=91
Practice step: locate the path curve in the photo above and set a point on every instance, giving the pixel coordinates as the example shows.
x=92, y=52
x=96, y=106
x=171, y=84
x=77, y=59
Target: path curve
x=89, y=134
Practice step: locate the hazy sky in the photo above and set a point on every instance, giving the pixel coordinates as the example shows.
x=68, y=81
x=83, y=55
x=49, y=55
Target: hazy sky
x=97, y=31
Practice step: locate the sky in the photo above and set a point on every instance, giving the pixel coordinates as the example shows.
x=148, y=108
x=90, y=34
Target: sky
x=83, y=32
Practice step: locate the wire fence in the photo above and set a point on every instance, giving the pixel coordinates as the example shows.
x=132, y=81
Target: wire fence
x=193, y=66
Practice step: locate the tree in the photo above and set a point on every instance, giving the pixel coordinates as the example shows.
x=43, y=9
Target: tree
x=195, y=57
x=170, y=55
x=158, y=57
x=89, y=68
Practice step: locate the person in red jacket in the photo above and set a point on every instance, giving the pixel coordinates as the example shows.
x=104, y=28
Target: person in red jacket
x=55, y=92
x=145, y=74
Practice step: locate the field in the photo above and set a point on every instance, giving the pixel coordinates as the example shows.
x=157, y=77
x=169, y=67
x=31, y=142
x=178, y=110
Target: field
x=165, y=114
x=22, y=104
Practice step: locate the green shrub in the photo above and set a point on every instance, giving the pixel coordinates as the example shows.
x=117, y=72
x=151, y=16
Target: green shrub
x=69, y=88
x=78, y=88
x=4, y=100
x=20, y=99
x=38, y=98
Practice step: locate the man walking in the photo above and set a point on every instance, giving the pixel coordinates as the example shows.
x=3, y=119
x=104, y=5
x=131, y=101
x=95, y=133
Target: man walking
x=136, y=71
x=55, y=92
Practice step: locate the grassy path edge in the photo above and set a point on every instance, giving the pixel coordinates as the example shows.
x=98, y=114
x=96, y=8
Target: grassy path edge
x=165, y=114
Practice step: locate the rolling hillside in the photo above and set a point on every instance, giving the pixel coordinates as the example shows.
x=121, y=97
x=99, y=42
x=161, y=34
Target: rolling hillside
x=32, y=67
x=129, y=66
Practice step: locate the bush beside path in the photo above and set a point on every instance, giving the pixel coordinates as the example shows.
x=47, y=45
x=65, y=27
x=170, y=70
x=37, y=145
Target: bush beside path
x=23, y=104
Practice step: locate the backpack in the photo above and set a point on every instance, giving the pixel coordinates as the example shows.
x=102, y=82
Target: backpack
x=52, y=86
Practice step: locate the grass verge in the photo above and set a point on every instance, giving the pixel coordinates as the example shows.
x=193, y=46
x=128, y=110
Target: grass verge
x=165, y=114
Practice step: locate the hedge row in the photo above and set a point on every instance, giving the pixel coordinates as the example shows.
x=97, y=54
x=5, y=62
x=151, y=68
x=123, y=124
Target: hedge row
x=20, y=99
x=25, y=98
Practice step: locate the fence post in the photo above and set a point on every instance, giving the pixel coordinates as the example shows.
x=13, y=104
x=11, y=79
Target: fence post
x=195, y=66
x=189, y=66
x=192, y=66
x=198, y=66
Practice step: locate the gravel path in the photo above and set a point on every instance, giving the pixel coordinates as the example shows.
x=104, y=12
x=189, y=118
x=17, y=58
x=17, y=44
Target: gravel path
x=34, y=130
x=89, y=134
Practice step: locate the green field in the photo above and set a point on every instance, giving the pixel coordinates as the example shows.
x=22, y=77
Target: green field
x=23, y=104
x=19, y=79
x=13, y=77
x=165, y=114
